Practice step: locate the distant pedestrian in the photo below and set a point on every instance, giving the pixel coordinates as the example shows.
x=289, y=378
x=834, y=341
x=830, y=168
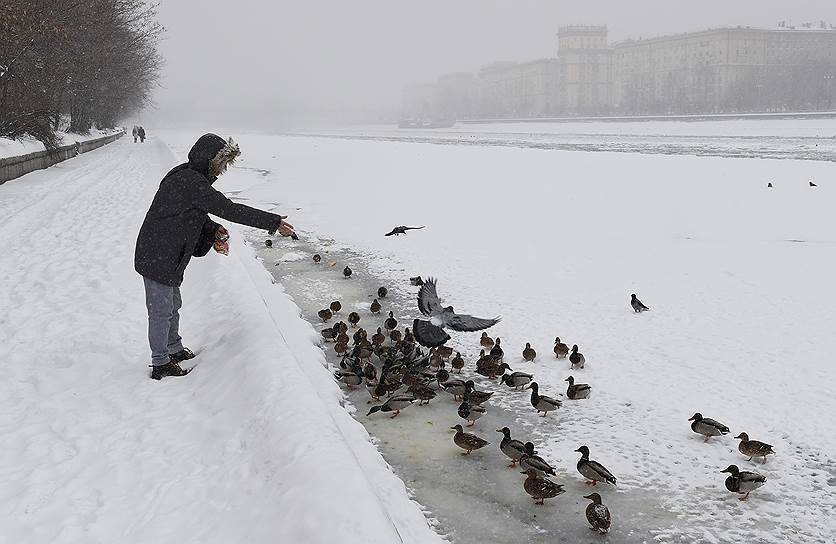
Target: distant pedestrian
x=141, y=132
x=177, y=227
x=135, y=132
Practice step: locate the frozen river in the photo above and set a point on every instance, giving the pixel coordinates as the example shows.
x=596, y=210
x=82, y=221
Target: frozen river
x=804, y=139
x=738, y=277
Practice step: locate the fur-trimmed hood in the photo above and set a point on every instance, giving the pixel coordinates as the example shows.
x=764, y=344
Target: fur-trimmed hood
x=211, y=155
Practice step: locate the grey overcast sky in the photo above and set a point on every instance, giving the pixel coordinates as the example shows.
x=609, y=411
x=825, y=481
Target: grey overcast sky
x=268, y=63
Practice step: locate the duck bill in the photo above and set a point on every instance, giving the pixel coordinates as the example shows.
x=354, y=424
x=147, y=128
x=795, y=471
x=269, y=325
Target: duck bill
x=587, y=497
x=578, y=450
x=739, y=437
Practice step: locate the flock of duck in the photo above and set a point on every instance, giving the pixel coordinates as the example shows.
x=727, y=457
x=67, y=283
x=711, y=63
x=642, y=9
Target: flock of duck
x=406, y=374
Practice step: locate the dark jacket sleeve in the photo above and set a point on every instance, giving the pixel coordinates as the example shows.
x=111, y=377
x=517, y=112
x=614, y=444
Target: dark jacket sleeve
x=206, y=239
x=210, y=200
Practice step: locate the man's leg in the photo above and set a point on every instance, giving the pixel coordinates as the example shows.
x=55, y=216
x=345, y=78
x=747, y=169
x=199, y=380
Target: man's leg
x=175, y=343
x=159, y=299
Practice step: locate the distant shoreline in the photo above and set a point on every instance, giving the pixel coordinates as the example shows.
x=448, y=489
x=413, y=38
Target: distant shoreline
x=636, y=118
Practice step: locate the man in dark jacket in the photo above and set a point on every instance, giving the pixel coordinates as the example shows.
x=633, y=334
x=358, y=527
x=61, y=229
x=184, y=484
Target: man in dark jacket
x=177, y=227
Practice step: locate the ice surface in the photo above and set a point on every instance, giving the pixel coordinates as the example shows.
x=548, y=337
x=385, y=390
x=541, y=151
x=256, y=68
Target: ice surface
x=737, y=276
x=812, y=139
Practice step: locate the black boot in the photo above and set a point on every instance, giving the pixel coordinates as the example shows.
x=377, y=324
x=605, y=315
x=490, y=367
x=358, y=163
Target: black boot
x=171, y=368
x=183, y=355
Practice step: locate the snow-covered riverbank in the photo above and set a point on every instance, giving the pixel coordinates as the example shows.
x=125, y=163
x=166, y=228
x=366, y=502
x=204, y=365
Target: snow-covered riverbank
x=253, y=446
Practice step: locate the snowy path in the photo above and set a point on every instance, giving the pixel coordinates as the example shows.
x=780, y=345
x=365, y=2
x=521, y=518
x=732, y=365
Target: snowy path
x=251, y=447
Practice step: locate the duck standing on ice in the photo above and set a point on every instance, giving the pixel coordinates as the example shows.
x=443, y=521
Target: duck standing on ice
x=707, y=426
x=742, y=481
x=576, y=358
x=753, y=448
x=593, y=471
x=467, y=441
x=597, y=514
x=430, y=333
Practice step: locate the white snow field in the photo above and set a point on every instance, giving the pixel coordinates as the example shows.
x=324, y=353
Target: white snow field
x=738, y=278
x=253, y=446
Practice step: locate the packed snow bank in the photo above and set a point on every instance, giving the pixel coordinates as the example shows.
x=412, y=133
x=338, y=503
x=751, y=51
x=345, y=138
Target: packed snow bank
x=13, y=148
x=253, y=446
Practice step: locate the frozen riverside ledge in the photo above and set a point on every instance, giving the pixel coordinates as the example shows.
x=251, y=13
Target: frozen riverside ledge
x=252, y=447
x=475, y=499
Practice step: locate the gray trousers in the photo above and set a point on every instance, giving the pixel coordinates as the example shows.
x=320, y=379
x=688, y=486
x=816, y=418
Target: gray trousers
x=163, y=303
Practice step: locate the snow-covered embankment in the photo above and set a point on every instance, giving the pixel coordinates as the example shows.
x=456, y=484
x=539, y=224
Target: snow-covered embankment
x=252, y=446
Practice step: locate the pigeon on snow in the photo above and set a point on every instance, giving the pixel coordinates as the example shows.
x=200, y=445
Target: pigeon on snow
x=430, y=333
x=637, y=304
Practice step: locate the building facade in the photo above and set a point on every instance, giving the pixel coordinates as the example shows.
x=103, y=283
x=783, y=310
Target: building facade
x=730, y=69
x=585, y=60
x=718, y=70
x=509, y=89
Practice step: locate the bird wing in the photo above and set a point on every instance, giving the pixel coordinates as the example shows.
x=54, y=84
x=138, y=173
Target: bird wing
x=468, y=323
x=428, y=335
x=391, y=232
x=428, y=301
x=601, y=469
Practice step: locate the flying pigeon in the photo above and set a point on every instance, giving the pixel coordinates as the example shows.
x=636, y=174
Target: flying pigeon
x=637, y=304
x=430, y=333
x=813, y=184
x=397, y=231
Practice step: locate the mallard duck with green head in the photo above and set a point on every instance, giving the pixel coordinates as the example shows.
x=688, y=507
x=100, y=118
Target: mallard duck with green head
x=707, y=426
x=542, y=403
x=517, y=380
x=577, y=391
x=473, y=396
x=593, y=471
x=576, y=358
x=531, y=461
x=742, y=481
x=395, y=403
x=455, y=387
x=513, y=449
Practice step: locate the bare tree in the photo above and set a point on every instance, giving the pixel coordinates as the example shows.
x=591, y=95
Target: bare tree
x=92, y=60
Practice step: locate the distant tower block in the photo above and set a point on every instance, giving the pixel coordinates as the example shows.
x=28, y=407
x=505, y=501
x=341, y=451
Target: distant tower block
x=585, y=61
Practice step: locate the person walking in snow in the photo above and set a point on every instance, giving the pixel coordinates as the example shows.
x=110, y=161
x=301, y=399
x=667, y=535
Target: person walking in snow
x=176, y=228
x=141, y=132
x=135, y=132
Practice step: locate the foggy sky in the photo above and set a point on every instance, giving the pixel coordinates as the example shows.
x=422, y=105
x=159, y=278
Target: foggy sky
x=251, y=63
